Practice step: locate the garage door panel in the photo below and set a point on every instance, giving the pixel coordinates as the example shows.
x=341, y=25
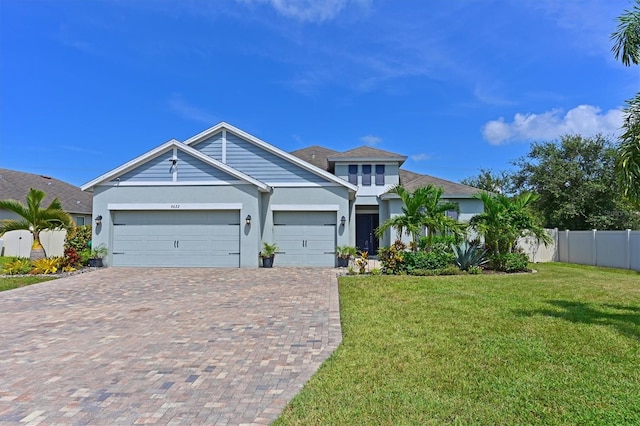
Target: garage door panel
x=305, y=238
x=171, y=238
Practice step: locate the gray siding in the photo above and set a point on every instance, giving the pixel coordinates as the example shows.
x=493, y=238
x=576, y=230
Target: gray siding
x=211, y=146
x=157, y=169
x=191, y=169
x=264, y=166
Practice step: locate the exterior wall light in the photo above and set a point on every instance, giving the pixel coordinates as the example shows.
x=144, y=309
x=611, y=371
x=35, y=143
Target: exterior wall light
x=248, y=219
x=343, y=220
x=98, y=219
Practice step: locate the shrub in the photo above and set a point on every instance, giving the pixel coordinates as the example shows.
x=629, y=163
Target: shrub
x=85, y=255
x=375, y=271
x=17, y=266
x=509, y=262
x=474, y=270
x=468, y=255
x=439, y=242
x=48, y=265
x=71, y=258
x=391, y=260
x=78, y=238
x=434, y=259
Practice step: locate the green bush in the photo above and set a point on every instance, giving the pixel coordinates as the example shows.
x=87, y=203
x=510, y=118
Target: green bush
x=439, y=242
x=78, y=238
x=391, y=260
x=509, y=262
x=434, y=259
x=17, y=266
x=474, y=270
x=469, y=255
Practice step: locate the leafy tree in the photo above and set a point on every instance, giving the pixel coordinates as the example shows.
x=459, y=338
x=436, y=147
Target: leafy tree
x=505, y=219
x=422, y=208
x=626, y=48
x=35, y=219
x=576, y=183
x=489, y=181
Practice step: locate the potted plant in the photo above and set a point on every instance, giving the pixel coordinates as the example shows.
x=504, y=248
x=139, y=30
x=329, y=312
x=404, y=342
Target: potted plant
x=268, y=253
x=97, y=254
x=344, y=254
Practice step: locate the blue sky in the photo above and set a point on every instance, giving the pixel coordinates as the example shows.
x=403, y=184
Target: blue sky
x=455, y=85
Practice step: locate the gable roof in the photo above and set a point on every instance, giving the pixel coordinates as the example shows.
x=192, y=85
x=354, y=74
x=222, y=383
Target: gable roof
x=15, y=185
x=367, y=153
x=316, y=155
x=408, y=179
x=165, y=147
x=269, y=148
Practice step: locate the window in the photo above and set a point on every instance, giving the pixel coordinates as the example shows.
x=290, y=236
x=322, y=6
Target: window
x=453, y=214
x=366, y=175
x=353, y=174
x=379, y=174
x=79, y=220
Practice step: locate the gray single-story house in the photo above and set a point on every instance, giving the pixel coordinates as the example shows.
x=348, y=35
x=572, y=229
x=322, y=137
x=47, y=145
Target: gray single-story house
x=213, y=199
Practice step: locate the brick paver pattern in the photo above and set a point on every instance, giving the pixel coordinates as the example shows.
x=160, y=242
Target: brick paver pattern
x=164, y=345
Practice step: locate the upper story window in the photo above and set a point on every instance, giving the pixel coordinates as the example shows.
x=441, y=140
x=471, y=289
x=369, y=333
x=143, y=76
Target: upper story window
x=379, y=174
x=366, y=175
x=353, y=174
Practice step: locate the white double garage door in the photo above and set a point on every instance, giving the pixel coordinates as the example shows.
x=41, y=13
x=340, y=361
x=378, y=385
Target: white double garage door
x=205, y=238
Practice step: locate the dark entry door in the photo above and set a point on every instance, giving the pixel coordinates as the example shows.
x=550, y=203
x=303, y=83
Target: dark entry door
x=366, y=224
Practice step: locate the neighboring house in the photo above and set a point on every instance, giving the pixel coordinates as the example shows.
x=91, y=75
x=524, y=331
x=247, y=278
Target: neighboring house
x=213, y=200
x=15, y=185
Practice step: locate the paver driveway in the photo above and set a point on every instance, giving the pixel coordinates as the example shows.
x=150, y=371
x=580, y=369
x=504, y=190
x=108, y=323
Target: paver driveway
x=165, y=346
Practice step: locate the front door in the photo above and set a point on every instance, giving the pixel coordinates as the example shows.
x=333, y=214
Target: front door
x=366, y=240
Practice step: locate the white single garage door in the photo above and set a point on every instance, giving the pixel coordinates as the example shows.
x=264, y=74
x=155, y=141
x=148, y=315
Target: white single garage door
x=200, y=238
x=305, y=238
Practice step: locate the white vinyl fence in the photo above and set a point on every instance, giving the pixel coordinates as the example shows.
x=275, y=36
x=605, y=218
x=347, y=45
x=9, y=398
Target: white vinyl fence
x=18, y=243
x=613, y=249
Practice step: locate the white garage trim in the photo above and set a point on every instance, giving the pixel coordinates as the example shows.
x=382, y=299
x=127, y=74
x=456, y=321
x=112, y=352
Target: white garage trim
x=175, y=206
x=305, y=207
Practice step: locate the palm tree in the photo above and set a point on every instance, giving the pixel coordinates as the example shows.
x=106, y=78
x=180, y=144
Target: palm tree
x=627, y=48
x=422, y=208
x=35, y=218
x=506, y=219
x=434, y=213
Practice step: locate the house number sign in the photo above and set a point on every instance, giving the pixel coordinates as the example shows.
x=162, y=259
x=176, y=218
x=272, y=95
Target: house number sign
x=175, y=206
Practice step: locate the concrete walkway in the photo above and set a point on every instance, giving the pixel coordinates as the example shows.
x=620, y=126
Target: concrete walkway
x=164, y=346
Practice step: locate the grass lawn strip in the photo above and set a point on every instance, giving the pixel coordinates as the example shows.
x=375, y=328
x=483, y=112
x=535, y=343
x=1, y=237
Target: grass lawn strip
x=561, y=346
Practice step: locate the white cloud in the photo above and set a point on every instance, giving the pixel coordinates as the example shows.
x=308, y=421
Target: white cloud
x=420, y=157
x=371, y=140
x=309, y=10
x=189, y=111
x=586, y=120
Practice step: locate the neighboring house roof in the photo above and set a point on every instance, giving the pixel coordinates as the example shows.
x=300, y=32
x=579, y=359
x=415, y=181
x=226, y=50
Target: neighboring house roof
x=316, y=155
x=164, y=148
x=367, y=153
x=15, y=185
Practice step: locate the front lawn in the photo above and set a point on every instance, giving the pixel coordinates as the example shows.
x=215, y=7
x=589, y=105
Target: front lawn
x=561, y=346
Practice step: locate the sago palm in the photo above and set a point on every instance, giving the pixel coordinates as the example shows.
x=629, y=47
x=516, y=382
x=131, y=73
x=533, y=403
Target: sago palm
x=34, y=218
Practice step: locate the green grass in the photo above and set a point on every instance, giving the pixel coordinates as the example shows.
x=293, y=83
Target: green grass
x=9, y=283
x=561, y=346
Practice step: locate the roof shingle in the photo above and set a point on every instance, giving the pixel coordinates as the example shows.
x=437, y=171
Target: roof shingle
x=15, y=185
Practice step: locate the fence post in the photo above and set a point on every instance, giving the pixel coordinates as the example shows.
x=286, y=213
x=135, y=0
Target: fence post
x=566, y=240
x=594, y=255
x=556, y=241
x=628, y=249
